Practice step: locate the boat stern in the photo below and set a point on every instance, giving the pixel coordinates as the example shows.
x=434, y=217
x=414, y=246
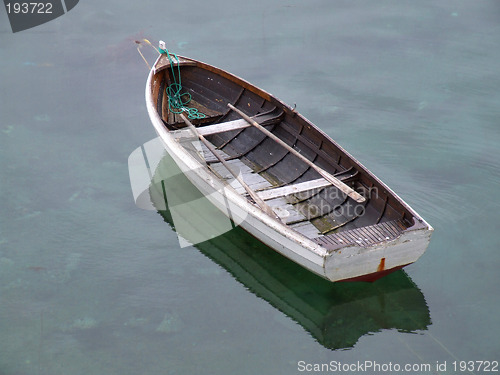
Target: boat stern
x=356, y=262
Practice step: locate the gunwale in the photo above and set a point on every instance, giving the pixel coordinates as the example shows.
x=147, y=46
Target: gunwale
x=387, y=206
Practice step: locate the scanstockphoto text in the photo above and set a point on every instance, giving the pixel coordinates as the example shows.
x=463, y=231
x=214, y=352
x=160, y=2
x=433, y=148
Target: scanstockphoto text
x=336, y=203
x=369, y=366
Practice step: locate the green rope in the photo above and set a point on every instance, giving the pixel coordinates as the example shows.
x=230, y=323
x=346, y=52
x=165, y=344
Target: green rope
x=177, y=101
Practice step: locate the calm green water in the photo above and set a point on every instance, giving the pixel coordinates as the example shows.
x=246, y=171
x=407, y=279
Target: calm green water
x=90, y=284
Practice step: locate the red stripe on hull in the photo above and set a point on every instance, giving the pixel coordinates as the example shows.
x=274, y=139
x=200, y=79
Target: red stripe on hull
x=374, y=276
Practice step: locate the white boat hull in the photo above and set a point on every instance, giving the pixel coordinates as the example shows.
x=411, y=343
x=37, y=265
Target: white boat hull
x=347, y=263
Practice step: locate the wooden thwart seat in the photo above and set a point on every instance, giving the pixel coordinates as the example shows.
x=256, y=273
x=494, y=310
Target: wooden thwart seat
x=212, y=129
x=263, y=119
x=293, y=189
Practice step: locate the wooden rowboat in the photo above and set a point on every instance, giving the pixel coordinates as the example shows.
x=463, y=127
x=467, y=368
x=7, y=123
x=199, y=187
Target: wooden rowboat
x=279, y=176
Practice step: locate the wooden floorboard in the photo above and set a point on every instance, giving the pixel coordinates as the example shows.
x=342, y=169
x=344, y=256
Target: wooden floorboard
x=287, y=212
x=365, y=236
x=307, y=229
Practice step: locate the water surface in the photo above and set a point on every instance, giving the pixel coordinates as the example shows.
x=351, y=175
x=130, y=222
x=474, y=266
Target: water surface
x=89, y=283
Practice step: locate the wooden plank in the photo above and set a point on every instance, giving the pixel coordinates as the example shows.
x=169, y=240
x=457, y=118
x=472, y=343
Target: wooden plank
x=335, y=182
x=287, y=212
x=364, y=236
x=293, y=189
x=210, y=158
x=221, y=127
x=212, y=129
x=307, y=229
x=263, y=206
x=253, y=180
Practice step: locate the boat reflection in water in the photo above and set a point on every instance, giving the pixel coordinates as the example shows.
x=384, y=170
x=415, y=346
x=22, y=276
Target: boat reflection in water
x=337, y=315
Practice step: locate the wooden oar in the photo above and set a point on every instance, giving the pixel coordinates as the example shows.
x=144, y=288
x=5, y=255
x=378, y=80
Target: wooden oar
x=327, y=176
x=263, y=205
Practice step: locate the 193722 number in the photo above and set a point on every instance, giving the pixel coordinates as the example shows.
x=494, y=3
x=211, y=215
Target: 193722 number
x=32, y=8
x=471, y=366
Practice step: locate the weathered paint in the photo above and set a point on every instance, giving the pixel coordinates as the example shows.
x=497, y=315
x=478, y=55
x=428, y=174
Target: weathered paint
x=381, y=266
x=352, y=263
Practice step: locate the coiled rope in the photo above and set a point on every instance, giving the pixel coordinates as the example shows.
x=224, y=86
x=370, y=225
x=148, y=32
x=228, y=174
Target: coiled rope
x=177, y=101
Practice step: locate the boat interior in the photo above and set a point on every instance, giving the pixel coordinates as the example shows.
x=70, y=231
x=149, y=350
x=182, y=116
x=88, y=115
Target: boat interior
x=296, y=192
